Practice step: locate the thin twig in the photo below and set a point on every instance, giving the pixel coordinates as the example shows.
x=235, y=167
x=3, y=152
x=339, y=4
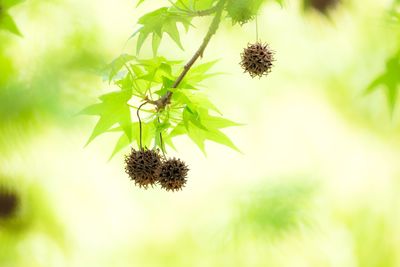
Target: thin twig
x=161, y=140
x=256, y=28
x=166, y=99
x=140, y=124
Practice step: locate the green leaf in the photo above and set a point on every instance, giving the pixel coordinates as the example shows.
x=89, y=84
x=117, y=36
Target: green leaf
x=199, y=136
x=202, y=101
x=140, y=75
x=179, y=97
x=156, y=43
x=156, y=69
x=160, y=128
x=158, y=22
x=198, y=74
x=195, y=5
x=195, y=101
x=6, y=4
x=280, y=2
x=192, y=116
x=219, y=123
x=139, y=3
x=202, y=68
x=7, y=23
x=122, y=142
x=147, y=133
x=168, y=141
x=219, y=137
x=117, y=64
x=173, y=32
x=112, y=110
x=389, y=80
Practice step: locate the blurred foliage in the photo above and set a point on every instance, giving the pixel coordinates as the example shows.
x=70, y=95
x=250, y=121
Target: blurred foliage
x=46, y=91
x=6, y=21
x=389, y=80
x=374, y=235
x=276, y=209
x=35, y=216
x=260, y=217
x=49, y=90
x=322, y=6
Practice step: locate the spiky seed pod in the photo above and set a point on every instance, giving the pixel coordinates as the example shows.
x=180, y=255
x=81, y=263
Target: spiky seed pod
x=322, y=6
x=257, y=59
x=143, y=166
x=243, y=11
x=9, y=202
x=173, y=174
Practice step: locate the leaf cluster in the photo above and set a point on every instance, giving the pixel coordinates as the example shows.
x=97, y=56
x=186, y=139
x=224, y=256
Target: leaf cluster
x=165, y=20
x=190, y=112
x=144, y=82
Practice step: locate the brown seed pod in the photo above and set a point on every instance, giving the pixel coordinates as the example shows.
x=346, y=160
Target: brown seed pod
x=9, y=202
x=257, y=59
x=173, y=174
x=143, y=167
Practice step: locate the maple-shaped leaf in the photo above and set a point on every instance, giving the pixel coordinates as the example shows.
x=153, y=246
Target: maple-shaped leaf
x=112, y=69
x=199, y=135
x=200, y=126
x=390, y=80
x=158, y=22
x=112, y=110
x=197, y=74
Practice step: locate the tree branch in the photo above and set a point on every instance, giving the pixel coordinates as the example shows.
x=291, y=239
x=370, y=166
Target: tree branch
x=166, y=99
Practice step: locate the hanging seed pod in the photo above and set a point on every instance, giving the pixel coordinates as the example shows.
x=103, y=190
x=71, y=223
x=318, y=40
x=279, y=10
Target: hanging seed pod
x=257, y=59
x=243, y=11
x=173, y=174
x=239, y=11
x=9, y=202
x=143, y=167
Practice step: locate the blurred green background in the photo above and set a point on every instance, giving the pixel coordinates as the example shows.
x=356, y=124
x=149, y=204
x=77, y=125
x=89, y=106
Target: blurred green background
x=318, y=183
